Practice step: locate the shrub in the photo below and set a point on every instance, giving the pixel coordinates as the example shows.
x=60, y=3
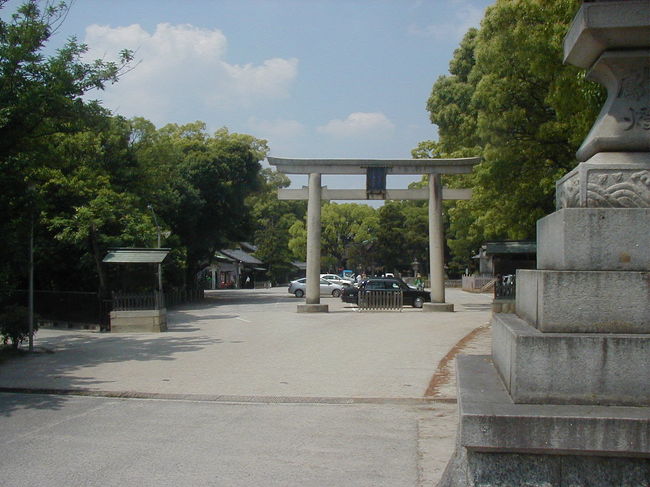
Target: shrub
x=14, y=326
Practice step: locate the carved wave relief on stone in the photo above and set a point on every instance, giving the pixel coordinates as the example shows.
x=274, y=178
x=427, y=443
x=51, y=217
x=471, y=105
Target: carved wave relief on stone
x=568, y=193
x=636, y=89
x=608, y=189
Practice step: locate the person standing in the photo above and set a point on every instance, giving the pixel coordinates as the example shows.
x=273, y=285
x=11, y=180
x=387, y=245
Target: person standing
x=418, y=283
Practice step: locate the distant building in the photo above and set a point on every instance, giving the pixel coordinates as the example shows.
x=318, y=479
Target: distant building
x=505, y=257
x=235, y=268
x=301, y=269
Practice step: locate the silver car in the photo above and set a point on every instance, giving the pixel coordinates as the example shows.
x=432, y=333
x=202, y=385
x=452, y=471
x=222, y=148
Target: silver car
x=336, y=279
x=327, y=288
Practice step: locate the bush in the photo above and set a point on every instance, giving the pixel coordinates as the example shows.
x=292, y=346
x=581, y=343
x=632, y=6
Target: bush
x=14, y=326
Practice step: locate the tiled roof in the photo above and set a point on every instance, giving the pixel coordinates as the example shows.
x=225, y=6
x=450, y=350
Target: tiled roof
x=241, y=256
x=511, y=247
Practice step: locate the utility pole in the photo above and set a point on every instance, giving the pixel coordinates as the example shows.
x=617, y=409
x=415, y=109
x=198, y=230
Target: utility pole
x=30, y=309
x=31, y=189
x=155, y=220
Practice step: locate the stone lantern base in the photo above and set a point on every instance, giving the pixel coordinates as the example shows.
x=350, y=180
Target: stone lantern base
x=564, y=399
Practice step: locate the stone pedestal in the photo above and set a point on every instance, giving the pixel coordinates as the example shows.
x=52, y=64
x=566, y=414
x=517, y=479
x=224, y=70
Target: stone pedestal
x=584, y=301
x=564, y=399
x=438, y=307
x=141, y=321
x=502, y=443
x=313, y=308
x=570, y=368
x=597, y=239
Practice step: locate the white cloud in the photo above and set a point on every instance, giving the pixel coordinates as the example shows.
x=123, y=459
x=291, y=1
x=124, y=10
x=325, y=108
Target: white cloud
x=465, y=16
x=182, y=66
x=271, y=79
x=276, y=129
x=358, y=123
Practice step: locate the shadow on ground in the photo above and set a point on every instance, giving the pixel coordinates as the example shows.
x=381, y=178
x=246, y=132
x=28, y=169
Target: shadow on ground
x=52, y=368
x=477, y=307
x=243, y=296
x=58, y=357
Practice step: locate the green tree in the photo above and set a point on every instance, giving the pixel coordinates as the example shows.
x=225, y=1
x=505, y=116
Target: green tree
x=40, y=97
x=403, y=235
x=298, y=240
x=273, y=218
x=14, y=326
x=346, y=226
x=510, y=100
x=92, y=195
x=211, y=176
x=347, y=232
x=451, y=107
x=390, y=238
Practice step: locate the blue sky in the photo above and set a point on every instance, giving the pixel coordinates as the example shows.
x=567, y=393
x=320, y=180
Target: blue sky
x=315, y=78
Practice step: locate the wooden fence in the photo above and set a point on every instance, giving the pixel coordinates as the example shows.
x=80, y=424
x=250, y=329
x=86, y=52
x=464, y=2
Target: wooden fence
x=176, y=297
x=72, y=309
x=155, y=300
x=137, y=302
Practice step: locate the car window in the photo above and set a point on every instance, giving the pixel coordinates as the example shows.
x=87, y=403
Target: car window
x=374, y=285
x=323, y=281
x=393, y=285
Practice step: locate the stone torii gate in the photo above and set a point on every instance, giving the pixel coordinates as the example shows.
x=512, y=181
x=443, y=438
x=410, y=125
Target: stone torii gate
x=376, y=171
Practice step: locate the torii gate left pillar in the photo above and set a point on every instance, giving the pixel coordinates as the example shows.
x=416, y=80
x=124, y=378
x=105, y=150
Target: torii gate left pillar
x=312, y=297
x=376, y=171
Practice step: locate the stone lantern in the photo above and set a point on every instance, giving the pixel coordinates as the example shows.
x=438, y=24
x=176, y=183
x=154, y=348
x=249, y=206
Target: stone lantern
x=564, y=399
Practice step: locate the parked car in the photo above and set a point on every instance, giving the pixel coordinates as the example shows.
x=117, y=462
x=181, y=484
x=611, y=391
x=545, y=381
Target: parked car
x=327, y=288
x=412, y=296
x=337, y=279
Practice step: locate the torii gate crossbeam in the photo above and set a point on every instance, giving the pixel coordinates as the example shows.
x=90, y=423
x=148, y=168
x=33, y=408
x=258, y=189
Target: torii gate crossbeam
x=376, y=171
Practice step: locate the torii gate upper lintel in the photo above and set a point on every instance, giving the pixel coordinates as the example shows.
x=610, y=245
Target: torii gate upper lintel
x=375, y=171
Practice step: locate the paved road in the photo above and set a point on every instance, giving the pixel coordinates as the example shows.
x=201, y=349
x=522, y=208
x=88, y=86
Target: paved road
x=99, y=442
x=241, y=391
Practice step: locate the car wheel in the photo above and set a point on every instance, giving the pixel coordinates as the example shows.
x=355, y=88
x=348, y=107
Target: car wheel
x=336, y=293
x=299, y=293
x=418, y=302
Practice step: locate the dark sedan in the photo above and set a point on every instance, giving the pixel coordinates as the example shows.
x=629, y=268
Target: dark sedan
x=412, y=296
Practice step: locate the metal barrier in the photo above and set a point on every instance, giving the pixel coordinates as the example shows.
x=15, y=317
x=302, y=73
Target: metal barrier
x=505, y=290
x=374, y=299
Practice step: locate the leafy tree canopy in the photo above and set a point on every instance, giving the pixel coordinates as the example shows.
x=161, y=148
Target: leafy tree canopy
x=348, y=229
x=208, y=180
x=40, y=99
x=510, y=100
x=273, y=219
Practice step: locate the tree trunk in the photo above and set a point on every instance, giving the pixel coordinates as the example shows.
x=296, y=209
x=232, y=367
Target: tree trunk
x=190, y=273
